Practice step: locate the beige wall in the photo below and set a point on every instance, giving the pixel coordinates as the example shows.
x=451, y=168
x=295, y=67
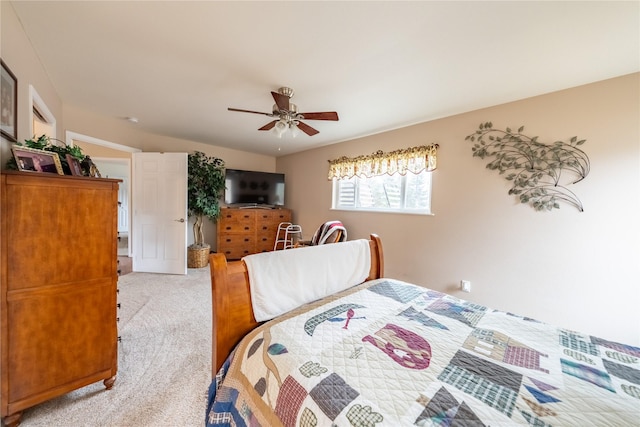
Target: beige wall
x=119, y=131
x=20, y=57
x=580, y=270
x=122, y=132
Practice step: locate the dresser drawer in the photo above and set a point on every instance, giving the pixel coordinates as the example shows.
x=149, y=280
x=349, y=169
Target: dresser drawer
x=244, y=232
x=240, y=221
x=235, y=246
x=267, y=222
x=265, y=242
x=266, y=229
x=235, y=253
x=274, y=216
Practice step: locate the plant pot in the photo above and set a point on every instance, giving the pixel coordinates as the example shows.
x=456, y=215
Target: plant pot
x=198, y=257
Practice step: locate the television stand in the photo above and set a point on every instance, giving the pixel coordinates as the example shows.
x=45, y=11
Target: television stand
x=256, y=206
x=247, y=231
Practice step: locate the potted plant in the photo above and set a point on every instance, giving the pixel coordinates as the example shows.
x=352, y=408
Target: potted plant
x=54, y=145
x=205, y=184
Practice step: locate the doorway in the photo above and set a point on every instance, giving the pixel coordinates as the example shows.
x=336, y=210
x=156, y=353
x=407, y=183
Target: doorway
x=113, y=161
x=116, y=168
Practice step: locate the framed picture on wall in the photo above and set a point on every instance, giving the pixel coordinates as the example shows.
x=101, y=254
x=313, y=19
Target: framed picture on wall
x=8, y=103
x=32, y=160
x=74, y=165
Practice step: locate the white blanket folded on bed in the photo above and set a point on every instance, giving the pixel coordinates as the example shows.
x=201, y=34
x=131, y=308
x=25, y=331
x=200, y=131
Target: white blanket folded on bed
x=283, y=280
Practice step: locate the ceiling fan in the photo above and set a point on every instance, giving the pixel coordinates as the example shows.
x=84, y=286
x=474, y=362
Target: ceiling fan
x=288, y=116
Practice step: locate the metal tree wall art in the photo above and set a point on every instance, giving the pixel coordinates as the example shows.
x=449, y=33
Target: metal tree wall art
x=539, y=172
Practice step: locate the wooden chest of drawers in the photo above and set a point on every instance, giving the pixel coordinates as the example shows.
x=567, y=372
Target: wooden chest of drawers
x=248, y=231
x=58, y=286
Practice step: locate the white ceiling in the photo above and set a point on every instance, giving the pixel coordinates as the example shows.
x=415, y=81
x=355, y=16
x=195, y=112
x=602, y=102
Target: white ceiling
x=178, y=65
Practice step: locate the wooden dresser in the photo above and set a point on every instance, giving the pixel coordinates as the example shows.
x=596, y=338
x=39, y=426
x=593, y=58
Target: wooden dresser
x=58, y=287
x=243, y=232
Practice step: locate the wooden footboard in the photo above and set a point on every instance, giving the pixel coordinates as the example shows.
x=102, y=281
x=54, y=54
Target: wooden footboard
x=232, y=311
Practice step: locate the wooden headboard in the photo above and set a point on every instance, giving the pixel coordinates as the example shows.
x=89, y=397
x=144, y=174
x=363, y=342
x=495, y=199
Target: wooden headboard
x=231, y=300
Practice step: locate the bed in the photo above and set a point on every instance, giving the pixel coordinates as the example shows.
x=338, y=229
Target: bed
x=385, y=352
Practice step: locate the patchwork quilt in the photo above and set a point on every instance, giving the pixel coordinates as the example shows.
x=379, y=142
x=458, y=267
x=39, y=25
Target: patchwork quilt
x=389, y=353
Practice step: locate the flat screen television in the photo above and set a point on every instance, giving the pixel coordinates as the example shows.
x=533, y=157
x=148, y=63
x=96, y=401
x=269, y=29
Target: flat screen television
x=252, y=188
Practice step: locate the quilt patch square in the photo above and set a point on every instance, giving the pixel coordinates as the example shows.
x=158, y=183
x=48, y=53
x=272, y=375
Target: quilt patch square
x=290, y=399
x=443, y=409
x=399, y=292
x=494, y=385
x=332, y=395
x=622, y=371
x=576, y=342
x=587, y=373
x=465, y=312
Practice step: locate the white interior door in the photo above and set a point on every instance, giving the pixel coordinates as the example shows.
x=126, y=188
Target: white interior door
x=159, y=229
x=123, y=205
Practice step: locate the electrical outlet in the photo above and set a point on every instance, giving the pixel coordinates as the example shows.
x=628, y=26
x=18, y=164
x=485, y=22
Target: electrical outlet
x=465, y=285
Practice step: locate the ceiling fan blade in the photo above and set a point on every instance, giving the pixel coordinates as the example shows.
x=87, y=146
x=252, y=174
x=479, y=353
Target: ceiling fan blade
x=282, y=101
x=249, y=111
x=327, y=115
x=268, y=126
x=307, y=129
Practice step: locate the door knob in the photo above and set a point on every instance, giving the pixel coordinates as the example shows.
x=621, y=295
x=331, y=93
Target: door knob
x=179, y=220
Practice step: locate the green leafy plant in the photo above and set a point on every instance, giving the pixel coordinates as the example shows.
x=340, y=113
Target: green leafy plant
x=205, y=184
x=47, y=143
x=539, y=172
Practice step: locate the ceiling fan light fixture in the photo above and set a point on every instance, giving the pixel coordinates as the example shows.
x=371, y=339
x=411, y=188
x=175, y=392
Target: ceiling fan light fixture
x=280, y=128
x=295, y=131
x=287, y=116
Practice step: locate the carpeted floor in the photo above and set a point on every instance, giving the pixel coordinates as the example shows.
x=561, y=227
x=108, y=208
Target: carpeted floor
x=164, y=359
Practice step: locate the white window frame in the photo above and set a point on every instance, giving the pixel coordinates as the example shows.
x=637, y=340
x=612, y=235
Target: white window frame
x=403, y=210
x=36, y=101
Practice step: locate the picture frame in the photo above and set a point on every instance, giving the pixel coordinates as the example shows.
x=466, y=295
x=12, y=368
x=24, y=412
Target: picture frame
x=8, y=103
x=74, y=165
x=37, y=161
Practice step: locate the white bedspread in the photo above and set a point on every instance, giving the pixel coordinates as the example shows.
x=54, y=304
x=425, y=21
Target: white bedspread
x=284, y=280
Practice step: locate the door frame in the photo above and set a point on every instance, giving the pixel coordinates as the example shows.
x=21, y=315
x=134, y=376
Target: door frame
x=71, y=136
x=127, y=181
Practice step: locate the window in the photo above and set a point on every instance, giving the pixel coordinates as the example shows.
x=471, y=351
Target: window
x=40, y=124
x=399, y=181
x=410, y=193
x=42, y=121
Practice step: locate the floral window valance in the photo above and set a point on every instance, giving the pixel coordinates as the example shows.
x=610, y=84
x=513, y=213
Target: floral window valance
x=414, y=159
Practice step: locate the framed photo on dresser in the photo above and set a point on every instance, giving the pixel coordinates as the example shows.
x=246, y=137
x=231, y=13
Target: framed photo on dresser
x=74, y=165
x=32, y=160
